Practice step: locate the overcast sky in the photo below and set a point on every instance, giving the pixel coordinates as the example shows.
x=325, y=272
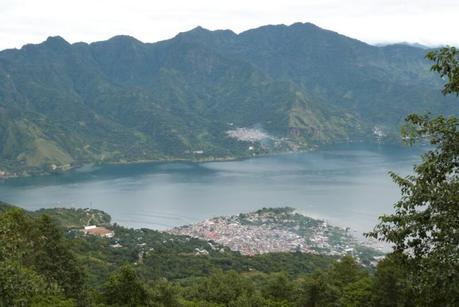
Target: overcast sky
x=429, y=22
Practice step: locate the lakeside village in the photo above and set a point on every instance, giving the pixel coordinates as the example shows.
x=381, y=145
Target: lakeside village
x=269, y=230
x=281, y=230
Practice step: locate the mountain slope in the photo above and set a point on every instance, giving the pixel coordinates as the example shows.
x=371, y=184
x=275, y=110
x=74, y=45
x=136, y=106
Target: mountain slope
x=381, y=84
x=123, y=100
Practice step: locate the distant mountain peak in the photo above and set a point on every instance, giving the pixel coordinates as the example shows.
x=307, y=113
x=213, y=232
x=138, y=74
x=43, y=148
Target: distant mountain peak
x=195, y=31
x=405, y=44
x=56, y=38
x=203, y=33
x=304, y=24
x=56, y=41
x=120, y=41
x=296, y=25
x=123, y=39
x=198, y=29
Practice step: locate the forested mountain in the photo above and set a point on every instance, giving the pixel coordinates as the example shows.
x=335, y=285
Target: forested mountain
x=123, y=100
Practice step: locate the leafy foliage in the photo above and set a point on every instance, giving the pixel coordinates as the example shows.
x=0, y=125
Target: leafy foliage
x=391, y=283
x=447, y=65
x=424, y=227
x=123, y=288
x=36, y=266
x=53, y=259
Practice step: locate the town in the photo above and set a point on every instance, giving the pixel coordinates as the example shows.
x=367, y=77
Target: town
x=247, y=134
x=280, y=230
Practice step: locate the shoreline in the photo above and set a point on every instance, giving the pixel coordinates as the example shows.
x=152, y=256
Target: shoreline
x=161, y=160
x=312, y=148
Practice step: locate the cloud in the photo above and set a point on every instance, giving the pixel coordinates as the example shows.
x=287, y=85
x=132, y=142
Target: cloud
x=376, y=21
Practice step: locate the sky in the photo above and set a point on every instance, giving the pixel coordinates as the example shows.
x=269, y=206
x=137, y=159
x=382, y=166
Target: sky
x=428, y=22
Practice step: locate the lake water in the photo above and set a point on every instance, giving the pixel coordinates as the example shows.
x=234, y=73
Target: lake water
x=347, y=185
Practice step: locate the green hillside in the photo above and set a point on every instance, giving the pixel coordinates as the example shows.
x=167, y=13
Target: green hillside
x=44, y=263
x=122, y=100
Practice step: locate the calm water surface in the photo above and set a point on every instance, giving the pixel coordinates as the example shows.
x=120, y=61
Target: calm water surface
x=347, y=185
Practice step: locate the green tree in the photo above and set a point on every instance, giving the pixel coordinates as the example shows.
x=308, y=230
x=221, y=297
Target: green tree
x=20, y=282
x=345, y=283
x=390, y=285
x=17, y=234
x=346, y=271
x=223, y=288
x=319, y=292
x=125, y=288
x=424, y=227
x=20, y=286
x=54, y=260
x=51, y=300
x=447, y=65
x=358, y=293
x=278, y=287
x=164, y=294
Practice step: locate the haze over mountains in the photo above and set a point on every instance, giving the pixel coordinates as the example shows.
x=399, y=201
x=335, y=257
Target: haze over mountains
x=124, y=100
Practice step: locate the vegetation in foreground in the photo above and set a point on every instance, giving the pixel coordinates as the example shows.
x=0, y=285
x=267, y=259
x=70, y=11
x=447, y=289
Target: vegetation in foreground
x=43, y=265
x=424, y=227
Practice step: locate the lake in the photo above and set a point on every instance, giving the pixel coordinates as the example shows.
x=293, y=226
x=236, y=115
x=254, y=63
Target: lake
x=347, y=185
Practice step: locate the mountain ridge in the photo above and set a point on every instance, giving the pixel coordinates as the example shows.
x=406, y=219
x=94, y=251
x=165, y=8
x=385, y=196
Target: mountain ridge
x=118, y=100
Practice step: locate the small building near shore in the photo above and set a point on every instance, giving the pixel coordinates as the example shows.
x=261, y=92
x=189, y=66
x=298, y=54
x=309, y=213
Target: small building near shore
x=98, y=231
